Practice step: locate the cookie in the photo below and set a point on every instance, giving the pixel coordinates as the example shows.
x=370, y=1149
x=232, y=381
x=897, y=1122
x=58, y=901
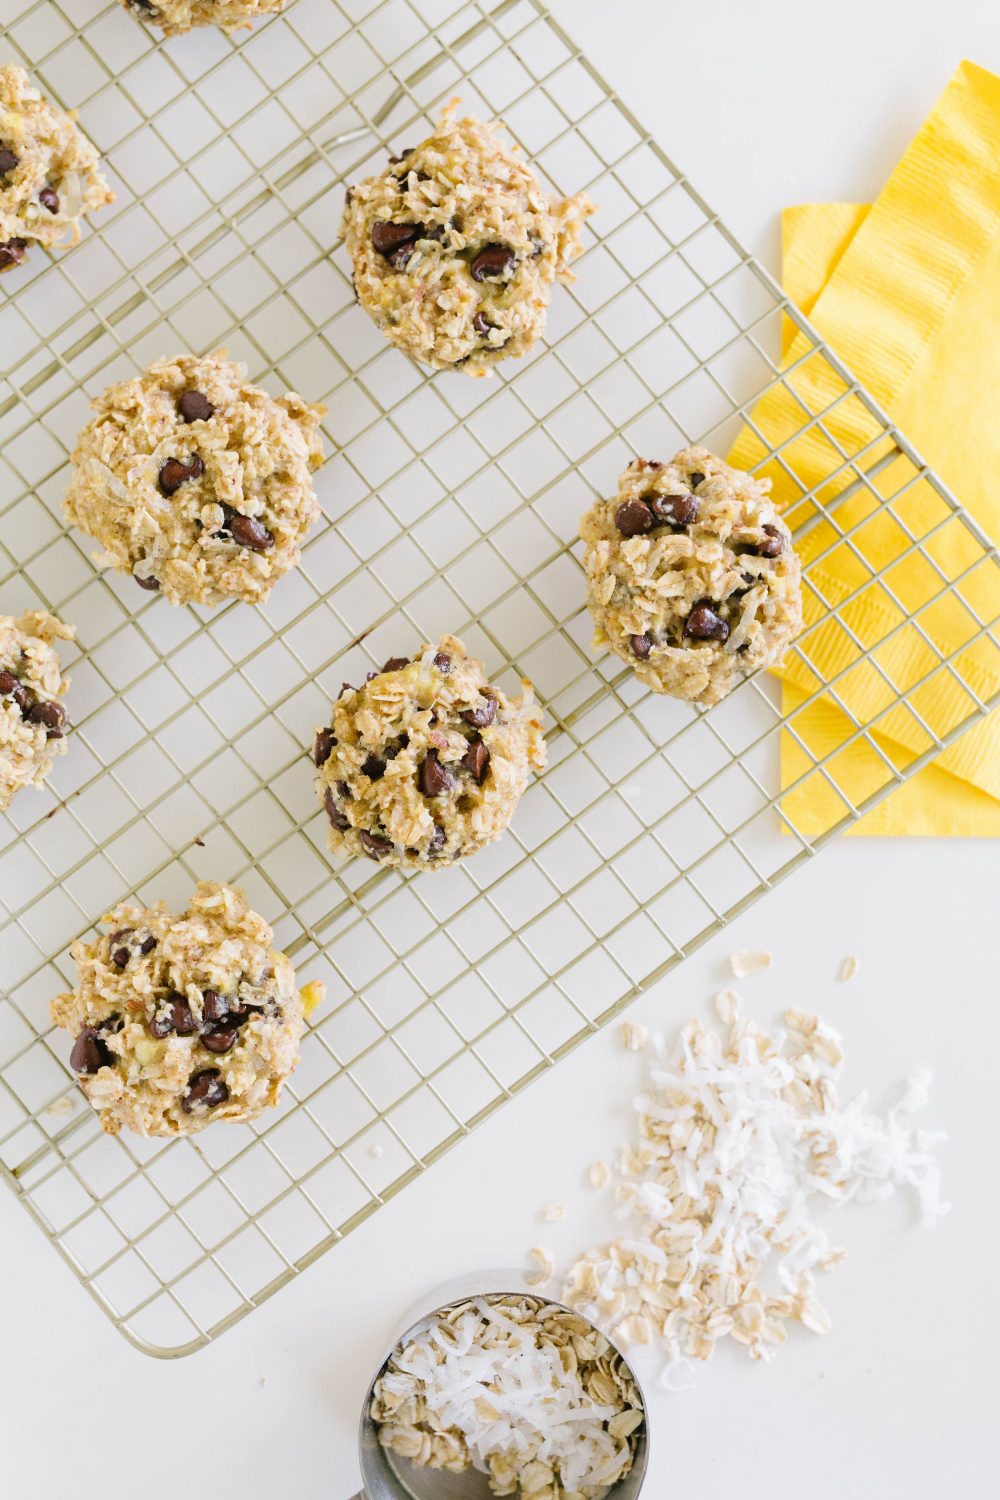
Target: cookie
x=426, y=763
x=32, y=717
x=457, y=246
x=196, y=482
x=177, y=16
x=179, y=1021
x=49, y=172
x=692, y=578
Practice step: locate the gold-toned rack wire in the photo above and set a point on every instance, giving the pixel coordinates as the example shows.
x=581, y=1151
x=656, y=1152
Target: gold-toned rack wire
x=449, y=505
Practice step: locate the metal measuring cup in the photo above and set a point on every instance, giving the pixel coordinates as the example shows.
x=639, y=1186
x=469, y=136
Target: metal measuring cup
x=387, y=1476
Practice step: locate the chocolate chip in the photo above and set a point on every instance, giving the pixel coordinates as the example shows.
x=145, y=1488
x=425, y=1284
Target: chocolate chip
x=641, y=646
x=8, y=683
x=249, y=532
x=374, y=844
x=89, y=1052
x=194, y=407
x=182, y=1017
x=387, y=237
x=147, y=945
x=173, y=473
x=482, y=324
x=443, y=663
x=694, y=480
x=161, y=1026
x=437, y=840
x=12, y=253
x=434, y=779
x=150, y=584
x=495, y=260
x=8, y=161
x=121, y=936
x=52, y=715
x=677, y=510
x=476, y=760
x=406, y=151
x=214, y=1007
x=400, y=259
x=120, y=957
x=207, y=1087
x=703, y=624
x=220, y=1038
x=21, y=696
x=483, y=714
x=323, y=747
x=49, y=199
x=337, y=817
x=773, y=544
x=344, y=792
x=633, y=517
x=395, y=664
x=373, y=767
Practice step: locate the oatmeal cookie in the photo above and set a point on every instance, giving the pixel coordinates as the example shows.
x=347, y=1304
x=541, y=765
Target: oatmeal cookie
x=691, y=575
x=180, y=1021
x=456, y=248
x=32, y=719
x=427, y=761
x=196, y=482
x=177, y=16
x=48, y=171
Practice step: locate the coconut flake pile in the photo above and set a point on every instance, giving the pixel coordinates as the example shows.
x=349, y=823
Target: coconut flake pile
x=517, y=1388
x=740, y=1142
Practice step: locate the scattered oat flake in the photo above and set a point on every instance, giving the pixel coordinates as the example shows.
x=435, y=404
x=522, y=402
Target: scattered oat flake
x=61, y=1106
x=741, y=1145
x=599, y=1174
x=546, y=1263
x=750, y=961
x=554, y=1211
x=849, y=967
x=727, y=1006
x=634, y=1035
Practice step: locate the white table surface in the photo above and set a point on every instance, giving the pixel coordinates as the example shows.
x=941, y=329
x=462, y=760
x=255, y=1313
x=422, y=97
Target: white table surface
x=762, y=104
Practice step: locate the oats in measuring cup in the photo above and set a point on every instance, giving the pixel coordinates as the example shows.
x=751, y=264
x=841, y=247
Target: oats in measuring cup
x=517, y=1388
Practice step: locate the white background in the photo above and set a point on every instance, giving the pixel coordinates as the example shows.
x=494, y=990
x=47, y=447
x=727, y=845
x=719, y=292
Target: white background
x=763, y=103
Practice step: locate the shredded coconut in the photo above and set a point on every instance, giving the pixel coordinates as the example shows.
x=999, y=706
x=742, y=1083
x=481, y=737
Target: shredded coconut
x=741, y=1139
x=545, y=1262
x=521, y=1390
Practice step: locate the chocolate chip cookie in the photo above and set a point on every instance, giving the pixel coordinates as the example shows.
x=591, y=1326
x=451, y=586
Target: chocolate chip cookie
x=32, y=716
x=456, y=248
x=426, y=762
x=196, y=482
x=179, y=1021
x=49, y=172
x=177, y=16
x=692, y=578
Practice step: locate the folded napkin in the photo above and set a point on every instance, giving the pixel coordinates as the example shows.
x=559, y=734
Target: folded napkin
x=907, y=292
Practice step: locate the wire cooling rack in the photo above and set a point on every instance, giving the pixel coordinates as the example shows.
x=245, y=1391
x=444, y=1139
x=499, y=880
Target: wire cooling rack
x=449, y=504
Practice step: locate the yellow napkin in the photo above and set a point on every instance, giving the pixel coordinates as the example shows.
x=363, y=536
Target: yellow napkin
x=907, y=292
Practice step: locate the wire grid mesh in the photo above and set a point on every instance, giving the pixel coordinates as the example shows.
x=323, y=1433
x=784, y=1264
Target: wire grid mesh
x=449, y=505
